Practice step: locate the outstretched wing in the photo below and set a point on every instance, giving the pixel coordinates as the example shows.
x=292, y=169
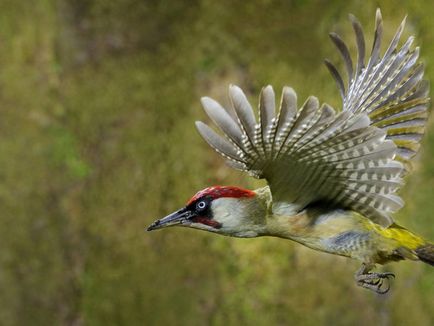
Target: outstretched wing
x=348, y=159
x=389, y=89
x=308, y=155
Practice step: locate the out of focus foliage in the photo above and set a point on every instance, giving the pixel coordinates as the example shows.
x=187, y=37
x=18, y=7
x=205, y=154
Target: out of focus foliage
x=97, y=103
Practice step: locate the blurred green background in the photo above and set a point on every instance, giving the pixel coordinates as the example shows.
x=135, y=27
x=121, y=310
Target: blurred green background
x=97, y=140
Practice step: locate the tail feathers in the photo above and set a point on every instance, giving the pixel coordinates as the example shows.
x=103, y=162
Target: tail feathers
x=426, y=253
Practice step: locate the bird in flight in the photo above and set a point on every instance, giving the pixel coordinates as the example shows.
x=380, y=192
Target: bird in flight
x=332, y=176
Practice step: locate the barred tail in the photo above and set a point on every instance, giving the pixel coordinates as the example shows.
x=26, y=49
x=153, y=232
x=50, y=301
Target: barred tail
x=426, y=253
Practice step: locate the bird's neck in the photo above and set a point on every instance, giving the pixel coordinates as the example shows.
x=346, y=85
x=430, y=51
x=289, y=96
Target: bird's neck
x=280, y=222
x=283, y=220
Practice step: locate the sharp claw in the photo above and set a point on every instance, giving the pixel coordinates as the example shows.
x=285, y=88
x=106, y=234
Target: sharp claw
x=386, y=275
x=384, y=291
x=374, y=281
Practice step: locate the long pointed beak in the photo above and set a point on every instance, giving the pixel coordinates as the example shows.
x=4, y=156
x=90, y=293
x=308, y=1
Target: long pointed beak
x=179, y=217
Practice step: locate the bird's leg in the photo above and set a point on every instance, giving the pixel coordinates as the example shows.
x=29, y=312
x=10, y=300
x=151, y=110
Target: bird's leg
x=373, y=281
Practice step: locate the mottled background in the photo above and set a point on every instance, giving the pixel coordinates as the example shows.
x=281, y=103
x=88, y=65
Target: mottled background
x=97, y=103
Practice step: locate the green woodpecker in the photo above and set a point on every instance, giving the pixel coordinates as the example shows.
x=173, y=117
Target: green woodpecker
x=332, y=177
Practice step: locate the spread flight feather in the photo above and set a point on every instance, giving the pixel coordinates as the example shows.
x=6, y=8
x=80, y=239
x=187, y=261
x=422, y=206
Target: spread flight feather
x=353, y=159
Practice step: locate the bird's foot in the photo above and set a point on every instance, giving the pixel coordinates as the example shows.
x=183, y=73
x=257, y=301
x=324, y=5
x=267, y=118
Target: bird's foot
x=377, y=282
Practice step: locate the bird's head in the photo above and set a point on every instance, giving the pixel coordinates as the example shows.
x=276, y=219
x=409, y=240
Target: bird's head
x=225, y=210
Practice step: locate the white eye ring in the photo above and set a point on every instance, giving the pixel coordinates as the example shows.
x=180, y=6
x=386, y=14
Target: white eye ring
x=201, y=205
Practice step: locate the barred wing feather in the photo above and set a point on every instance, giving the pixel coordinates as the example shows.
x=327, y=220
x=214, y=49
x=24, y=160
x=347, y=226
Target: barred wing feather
x=309, y=154
x=389, y=89
x=354, y=159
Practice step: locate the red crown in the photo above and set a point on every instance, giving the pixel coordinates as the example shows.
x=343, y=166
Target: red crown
x=222, y=191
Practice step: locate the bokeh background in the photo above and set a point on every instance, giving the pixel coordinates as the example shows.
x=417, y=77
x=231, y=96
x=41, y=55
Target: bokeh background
x=97, y=103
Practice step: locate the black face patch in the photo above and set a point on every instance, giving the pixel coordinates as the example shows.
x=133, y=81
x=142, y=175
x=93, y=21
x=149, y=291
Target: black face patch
x=201, y=212
x=201, y=207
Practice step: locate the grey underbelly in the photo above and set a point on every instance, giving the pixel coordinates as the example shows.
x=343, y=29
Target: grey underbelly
x=348, y=243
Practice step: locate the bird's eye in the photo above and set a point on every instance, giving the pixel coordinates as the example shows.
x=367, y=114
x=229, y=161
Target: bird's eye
x=201, y=205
